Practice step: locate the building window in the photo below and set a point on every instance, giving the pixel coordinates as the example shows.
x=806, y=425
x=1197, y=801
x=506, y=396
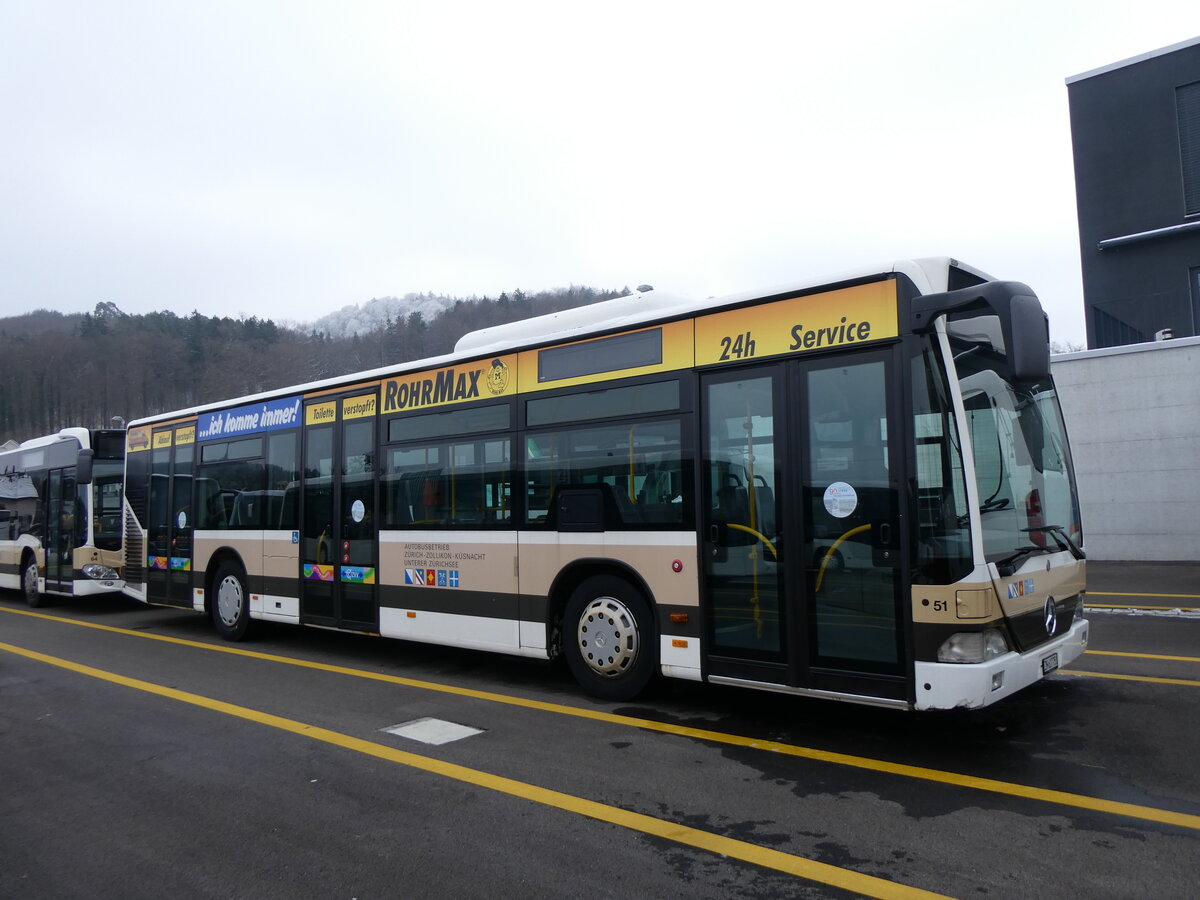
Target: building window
x=1187, y=107
x=1112, y=331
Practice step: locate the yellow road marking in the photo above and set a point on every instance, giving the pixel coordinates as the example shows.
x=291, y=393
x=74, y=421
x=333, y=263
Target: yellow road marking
x=1146, y=678
x=1045, y=795
x=812, y=870
x=1143, y=655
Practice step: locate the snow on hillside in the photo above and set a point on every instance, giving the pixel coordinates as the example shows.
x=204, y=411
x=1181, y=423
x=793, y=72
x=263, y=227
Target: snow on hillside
x=358, y=318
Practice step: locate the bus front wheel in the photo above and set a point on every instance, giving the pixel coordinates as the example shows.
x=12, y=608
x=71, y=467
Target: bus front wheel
x=29, y=584
x=230, y=602
x=609, y=638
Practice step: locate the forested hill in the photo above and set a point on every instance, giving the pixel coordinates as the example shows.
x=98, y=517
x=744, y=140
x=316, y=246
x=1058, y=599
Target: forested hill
x=83, y=369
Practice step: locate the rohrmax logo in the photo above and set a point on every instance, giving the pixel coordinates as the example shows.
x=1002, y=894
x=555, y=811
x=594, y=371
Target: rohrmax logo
x=497, y=377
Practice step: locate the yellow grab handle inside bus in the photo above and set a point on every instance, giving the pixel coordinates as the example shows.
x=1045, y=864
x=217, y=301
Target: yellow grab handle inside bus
x=754, y=602
x=830, y=552
x=761, y=537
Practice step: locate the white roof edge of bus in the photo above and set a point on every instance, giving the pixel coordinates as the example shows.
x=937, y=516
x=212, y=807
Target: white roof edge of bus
x=930, y=275
x=636, y=307
x=79, y=434
x=64, y=434
x=349, y=380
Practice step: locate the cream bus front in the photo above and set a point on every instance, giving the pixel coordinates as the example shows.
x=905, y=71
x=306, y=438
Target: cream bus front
x=1016, y=614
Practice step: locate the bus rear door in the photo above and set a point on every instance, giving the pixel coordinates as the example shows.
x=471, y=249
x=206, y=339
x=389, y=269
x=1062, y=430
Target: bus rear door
x=169, y=521
x=339, y=522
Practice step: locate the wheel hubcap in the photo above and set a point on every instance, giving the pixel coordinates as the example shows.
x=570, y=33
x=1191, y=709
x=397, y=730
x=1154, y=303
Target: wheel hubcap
x=31, y=581
x=229, y=600
x=608, y=636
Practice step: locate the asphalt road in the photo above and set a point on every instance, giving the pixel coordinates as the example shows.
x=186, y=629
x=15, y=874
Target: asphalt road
x=133, y=766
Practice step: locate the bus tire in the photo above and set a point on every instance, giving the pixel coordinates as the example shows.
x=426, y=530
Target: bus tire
x=229, y=602
x=609, y=638
x=29, y=584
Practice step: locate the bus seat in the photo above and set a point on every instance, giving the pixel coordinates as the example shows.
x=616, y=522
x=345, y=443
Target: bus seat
x=764, y=509
x=733, y=505
x=626, y=508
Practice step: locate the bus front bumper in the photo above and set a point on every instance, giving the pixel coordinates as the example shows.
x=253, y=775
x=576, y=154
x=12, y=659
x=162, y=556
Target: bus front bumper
x=87, y=587
x=973, y=685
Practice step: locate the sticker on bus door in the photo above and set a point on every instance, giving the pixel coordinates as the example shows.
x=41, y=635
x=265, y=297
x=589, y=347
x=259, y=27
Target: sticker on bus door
x=840, y=499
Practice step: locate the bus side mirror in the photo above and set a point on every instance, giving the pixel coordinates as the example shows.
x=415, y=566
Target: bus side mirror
x=1028, y=340
x=1023, y=324
x=83, y=467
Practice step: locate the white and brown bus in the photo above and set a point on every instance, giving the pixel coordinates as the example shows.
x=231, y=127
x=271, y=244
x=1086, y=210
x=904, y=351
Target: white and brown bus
x=858, y=489
x=60, y=514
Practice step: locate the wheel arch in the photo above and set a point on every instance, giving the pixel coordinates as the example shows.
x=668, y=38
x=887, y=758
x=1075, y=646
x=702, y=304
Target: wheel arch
x=219, y=557
x=32, y=557
x=575, y=574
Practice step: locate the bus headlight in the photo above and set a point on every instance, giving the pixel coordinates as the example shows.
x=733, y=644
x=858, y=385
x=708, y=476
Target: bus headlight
x=99, y=572
x=973, y=646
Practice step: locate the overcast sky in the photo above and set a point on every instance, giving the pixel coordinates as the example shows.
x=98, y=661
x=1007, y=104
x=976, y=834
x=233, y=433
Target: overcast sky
x=286, y=159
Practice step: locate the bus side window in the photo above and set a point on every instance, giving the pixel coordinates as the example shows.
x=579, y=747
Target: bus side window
x=210, y=505
x=431, y=499
x=641, y=462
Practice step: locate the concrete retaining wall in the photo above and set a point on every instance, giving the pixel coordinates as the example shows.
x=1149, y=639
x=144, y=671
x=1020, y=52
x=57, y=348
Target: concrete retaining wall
x=1133, y=417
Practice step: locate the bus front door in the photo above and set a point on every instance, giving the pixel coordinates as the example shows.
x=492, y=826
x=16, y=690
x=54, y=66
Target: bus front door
x=60, y=515
x=801, y=537
x=851, y=547
x=339, y=530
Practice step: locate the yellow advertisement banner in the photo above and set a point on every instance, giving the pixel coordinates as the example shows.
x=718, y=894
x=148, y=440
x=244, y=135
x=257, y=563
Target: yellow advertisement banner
x=359, y=407
x=185, y=435
x=843, y=318
x=320, y=413
x=137, y=439
x=162, y=439
x=460, y=383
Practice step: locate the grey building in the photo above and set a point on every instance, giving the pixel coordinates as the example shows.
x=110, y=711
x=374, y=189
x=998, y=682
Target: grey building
x=1135, y=130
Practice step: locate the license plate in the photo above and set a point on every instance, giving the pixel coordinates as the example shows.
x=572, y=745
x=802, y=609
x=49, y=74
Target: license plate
x=1050, y=663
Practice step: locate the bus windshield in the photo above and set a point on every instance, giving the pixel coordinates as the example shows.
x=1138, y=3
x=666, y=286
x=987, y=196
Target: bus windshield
x=106, y=500
x=1027, y=498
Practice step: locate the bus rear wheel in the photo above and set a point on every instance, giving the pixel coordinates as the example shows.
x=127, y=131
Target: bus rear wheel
x=229, y=602
x=609, y=638
x=29, y=584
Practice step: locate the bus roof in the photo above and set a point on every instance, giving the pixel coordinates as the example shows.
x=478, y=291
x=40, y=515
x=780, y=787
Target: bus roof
x=929, y=275
x=81, y=436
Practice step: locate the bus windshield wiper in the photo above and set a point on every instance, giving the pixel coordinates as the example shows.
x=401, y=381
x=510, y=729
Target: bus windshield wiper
x=1060, y=537
x=985, y=507
x=1009, y=564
